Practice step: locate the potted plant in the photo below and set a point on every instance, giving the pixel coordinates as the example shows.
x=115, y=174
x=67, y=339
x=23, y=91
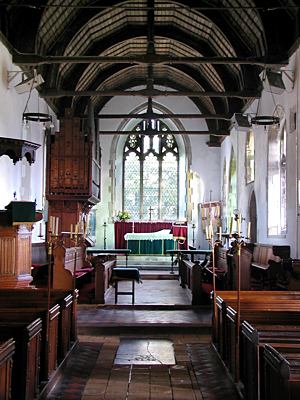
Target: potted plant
x=123, y=215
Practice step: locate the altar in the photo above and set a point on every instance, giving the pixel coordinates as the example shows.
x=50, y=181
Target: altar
x=147, y=245
x=151, y=243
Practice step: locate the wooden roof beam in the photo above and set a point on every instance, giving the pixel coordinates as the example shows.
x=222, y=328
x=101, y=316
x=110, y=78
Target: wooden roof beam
x=35, y=59
x=226, y=117
x=214, y=133
x=53, y=93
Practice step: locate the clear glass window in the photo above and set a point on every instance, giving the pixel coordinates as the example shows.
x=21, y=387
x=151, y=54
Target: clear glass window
x=150, y=177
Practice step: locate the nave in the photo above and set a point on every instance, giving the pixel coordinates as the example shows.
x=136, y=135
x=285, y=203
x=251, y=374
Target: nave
x=158, y=352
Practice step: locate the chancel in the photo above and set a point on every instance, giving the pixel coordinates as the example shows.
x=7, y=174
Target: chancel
x=149, y=158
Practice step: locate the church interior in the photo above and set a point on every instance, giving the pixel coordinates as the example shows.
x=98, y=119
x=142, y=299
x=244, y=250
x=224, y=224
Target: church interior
x=150, y=200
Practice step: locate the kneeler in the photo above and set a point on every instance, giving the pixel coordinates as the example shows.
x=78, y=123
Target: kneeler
x=125, y=274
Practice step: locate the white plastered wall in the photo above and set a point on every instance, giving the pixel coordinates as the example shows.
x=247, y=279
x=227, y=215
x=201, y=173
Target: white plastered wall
x=289, y=101
x=200, y=159
x=24, y=179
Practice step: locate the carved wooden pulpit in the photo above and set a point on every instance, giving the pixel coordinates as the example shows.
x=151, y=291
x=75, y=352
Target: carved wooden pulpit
x=16, y=223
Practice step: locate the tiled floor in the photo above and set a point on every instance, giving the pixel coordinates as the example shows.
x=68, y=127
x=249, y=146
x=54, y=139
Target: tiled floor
x=158, y=349
x=152, y=292
x=197, y=374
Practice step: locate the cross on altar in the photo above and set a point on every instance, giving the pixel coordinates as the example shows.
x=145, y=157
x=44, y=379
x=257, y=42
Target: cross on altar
x=150, y=213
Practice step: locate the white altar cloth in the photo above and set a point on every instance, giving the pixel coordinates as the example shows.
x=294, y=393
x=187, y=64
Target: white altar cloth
x=159, y=235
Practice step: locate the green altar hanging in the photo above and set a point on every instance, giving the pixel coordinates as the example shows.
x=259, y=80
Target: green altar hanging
x=151, y=243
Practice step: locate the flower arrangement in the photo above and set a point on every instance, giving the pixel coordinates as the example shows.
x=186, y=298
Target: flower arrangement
x=123, y=215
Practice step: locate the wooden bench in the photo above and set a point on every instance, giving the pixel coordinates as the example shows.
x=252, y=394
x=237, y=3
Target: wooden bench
x=256, y=307
x=253, y=340
x=243, y=264
x=193, y=281
x=103, y=265
x=266, y=264
x=281, y=373
x=224, y=298
x=69, y=264
x=7, y=350
x=39, y=264
x=49, y=336
x=26, y=332
x=32, y=297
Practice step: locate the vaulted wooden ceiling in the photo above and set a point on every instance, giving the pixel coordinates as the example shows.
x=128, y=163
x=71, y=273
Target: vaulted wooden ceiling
x=212, y=51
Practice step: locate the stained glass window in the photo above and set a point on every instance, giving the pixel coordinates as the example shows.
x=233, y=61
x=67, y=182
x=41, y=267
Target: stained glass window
x=150, y=179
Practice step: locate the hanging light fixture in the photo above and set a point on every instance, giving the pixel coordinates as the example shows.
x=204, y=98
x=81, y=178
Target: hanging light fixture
x=265, y=120
x=151, y=124
x=38, y=116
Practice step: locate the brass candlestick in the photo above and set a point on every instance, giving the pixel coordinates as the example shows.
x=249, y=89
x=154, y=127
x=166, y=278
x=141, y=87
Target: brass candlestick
x=238, y=243
x=213, y=244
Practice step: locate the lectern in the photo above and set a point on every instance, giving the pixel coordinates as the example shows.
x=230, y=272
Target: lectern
x=16, y=224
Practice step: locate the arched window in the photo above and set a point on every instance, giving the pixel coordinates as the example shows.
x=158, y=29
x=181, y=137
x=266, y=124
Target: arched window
x=277, y=180
x=150, y=174
x=232, y=194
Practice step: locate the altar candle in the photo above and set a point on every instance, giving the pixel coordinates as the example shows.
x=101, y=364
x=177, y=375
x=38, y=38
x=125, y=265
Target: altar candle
x=206, y=232
x=239, y=224
x=133, y=226
x=40, y=235
x=248, y=230
x=230, y=225
x=56, y=226
x=211, y=232
x=220, y=233
x=50, y=224
x=76, y=229
x=71, y=231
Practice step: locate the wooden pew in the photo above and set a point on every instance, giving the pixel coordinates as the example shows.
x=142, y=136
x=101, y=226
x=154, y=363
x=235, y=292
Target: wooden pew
x=49, y=337
x=255, y=307
x=104, y=265
x=39, y=264
x=281, y=373
x=7, y=350
x=32, y=297
x=26, y=332
x=69, y=263
x=224, y=298
x=193, y=276
x=267, y=263
x=279, y=316
x=253, y=340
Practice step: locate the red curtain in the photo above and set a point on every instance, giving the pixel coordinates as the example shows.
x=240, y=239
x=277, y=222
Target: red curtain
x=121, y=228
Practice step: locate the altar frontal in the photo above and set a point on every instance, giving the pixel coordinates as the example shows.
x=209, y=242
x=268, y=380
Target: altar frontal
x=153, y=243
